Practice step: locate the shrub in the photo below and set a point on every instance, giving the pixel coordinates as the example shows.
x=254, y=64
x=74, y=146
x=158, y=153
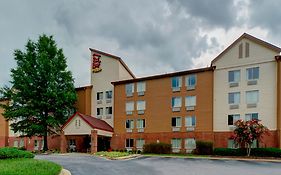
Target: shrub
x=230, y=152
x=8, y=153
x=266, y=152
x=157, y=148
x=258, y=152
x=204, y=148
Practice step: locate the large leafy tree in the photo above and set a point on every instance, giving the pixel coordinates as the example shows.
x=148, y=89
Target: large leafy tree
x=246, y=132
x=42, y=92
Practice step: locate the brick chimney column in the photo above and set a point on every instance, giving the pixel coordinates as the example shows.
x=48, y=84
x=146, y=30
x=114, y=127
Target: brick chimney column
x=63, y=143
x=94, y=141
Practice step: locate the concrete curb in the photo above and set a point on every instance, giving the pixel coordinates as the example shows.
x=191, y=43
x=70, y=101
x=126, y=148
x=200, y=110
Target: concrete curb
x=65, y=172
x=221, y=158
x=127, y=157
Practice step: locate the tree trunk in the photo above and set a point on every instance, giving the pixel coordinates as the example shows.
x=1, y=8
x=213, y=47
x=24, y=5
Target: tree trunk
x=248, y=149
x=45, y=148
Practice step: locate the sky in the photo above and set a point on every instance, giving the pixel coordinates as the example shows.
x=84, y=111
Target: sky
x=151, y=36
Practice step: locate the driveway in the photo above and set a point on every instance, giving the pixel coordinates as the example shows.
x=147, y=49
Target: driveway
x=83, y=164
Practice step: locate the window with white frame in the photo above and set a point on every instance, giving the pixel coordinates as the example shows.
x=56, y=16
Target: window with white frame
x=108, y=94
x=190, y=81
x=129, y=124
x=21, y=142
x=251, y=116
x=176, y=121
x=129, y=89
x=108, y=110
x=252, y=97
x=99, y=111
x=234, y=98
x=139, y=143
x=252, y=73
x=176, y=143
x=140, y=123
x=176, y=83
x=190, y=121
x=190, y=144
x=231, y=144
x=234, y=76
x=176, y=102
x=233, y=118
x=141, y=88
x=140, y=106
x=99, y=95
x=255, y=144
x=129, y=107
x=190, y=102
x=129, y=143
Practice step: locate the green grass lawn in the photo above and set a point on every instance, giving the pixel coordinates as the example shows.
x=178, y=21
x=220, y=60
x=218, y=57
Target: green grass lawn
x=28, y=167
x=112, y=154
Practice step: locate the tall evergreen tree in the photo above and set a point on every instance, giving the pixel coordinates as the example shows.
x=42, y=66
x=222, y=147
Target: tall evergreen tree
x=42, y=93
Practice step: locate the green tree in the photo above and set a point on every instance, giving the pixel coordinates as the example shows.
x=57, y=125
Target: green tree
x=246, y=132
x=42, y=94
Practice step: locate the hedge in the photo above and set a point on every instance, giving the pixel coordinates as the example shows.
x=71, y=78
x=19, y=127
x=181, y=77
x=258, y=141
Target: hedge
x=157, y=148
x=9, y=153
x=257, y=152
x=204, y=148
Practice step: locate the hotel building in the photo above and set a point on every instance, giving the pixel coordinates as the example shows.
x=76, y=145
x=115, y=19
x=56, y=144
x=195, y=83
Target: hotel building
x=243, y=82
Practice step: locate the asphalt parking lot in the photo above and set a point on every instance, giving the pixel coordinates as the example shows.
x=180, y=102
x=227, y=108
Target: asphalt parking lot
x=83, y=164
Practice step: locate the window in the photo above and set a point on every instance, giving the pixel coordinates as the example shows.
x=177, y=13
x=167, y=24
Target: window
x=72, y=142
x=129, y=107
x=176, y=122
x=233, y=118
x=140, y=107
x=140, y=123
x=141, y=88
x=190, y=101
x=99, y=111
x=252, y=97
x=129, y=89
x=190, y=121
x=231, y=144
x=252, y=73
x=16, y=143
x=247, y=48
x=42, y=144
x=176, y=102
x=140, y=143
x=190, y=81
x=234, y=98
x=240, y=50
x=176, y=83
x=176, y=143
x=77, y=123
x=251, y=116
x=108, y=94
x=234, y=76
x=190, y=143
x=130, y=124
x=22, y=142
x=108, y=110
x=255, y=144
x=36, y=143
x=129, y=143
x=99, y=95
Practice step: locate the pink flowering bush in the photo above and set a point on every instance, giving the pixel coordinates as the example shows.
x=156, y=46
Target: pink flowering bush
x=246, y=132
